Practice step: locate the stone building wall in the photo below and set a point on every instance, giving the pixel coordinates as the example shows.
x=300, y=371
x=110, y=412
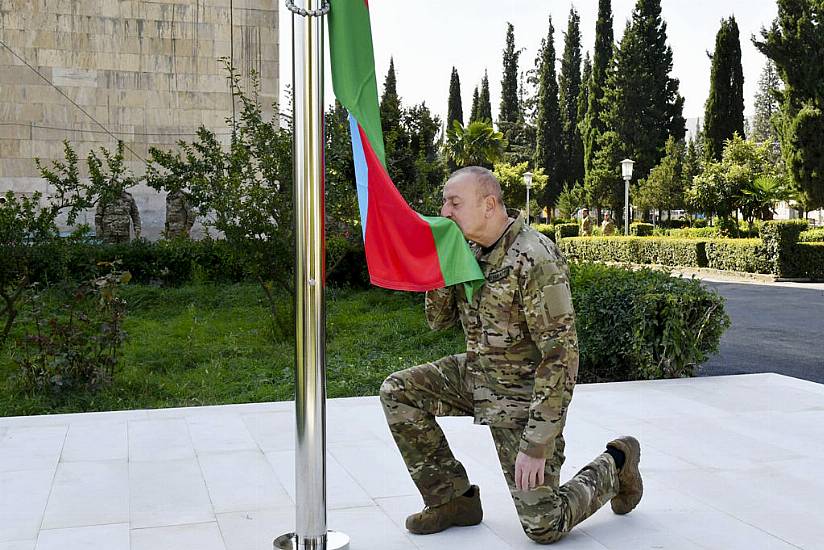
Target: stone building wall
x=143, y=71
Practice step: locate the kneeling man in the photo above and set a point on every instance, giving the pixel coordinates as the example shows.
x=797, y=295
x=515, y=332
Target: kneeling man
x=516, y=376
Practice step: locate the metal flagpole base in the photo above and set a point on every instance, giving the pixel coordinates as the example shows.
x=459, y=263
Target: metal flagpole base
x=335, y=540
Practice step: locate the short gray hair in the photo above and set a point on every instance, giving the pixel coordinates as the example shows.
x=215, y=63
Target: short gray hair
x=486, y=182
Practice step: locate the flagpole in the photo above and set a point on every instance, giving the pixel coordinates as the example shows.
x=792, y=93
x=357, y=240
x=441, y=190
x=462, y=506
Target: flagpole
x=310, y=308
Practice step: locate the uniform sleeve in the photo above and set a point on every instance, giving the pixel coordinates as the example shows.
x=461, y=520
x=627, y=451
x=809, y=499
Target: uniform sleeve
x=190, y=215
x=549, y=315
x=441, y=308
x=135, y=213
x=98, y=219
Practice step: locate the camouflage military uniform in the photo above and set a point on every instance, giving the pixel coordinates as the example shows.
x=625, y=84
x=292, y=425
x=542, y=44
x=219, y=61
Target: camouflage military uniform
x=112, y=220
x=608, y=228
x=586, y=226
x=179, y=215
x=517, y=376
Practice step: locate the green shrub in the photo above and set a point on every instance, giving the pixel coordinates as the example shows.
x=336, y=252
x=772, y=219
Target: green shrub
x=641, y=229
x=747, y=255
x=727, y=226
x=638, y=250
x=642, y=324
x=76, y=345
x=747, y=232
x=695, y=233
x=179, y=261
x=546, y=229
x=780, y=238
x=807, y=261
x=673, y=224
x=812, y=236
x=566, y=230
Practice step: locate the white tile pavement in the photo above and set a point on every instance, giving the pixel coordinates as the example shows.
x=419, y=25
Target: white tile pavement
x=728, y=462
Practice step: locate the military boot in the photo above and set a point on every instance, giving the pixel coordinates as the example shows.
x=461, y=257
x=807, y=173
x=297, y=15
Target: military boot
x=630, y=486
x=462, y=510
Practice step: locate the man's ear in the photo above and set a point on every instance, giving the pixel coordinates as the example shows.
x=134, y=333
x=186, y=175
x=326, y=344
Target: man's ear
x=490, y=205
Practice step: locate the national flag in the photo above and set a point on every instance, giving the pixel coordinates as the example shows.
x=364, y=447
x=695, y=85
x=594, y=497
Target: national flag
x=404, y=250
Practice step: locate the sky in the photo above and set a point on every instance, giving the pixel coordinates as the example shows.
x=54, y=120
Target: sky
x=427, y=38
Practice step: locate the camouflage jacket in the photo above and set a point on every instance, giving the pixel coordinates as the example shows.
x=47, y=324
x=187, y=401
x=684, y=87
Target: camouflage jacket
x=179, y=215
x=586, y=226
x=608, y=227
x=112, y=221
x=521, y=345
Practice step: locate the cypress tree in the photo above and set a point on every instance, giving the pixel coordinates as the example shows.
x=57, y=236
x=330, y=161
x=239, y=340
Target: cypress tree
x=571, y=166
x=473, y=114
x=641, y=100
x=548, y=147
x=484, y=104
x=724, y=111
x=794, y=43
x=390, y=106
x=766, y=104
x=455, y=108
x=509, y=109
x=593, y=125
x=400, y=160
x=583, y=96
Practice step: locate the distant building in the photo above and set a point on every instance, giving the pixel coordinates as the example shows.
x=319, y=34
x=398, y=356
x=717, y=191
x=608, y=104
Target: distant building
x=93, y=71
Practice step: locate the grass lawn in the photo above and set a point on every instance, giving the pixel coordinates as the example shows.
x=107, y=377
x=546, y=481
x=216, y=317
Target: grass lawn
x=209, y=344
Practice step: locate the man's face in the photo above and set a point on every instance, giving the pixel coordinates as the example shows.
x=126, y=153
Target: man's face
x=585, y=213
x=463, y=205
x=606, y=216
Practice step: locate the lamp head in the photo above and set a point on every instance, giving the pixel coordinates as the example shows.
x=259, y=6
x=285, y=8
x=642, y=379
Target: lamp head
x=626, y=168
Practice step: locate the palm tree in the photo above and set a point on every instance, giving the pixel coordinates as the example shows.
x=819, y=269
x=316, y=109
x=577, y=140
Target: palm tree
x=477, y=144
x=760, y=196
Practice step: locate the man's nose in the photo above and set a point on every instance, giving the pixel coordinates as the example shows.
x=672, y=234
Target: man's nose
x=445, y=211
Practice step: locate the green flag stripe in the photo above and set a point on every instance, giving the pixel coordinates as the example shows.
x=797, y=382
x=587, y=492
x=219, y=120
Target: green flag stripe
x=353, y=67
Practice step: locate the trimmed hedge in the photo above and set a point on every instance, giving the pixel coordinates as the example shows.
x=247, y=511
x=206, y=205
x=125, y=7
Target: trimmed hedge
x=695, y=233
x=780, y=242
x=642, y=324
x=638, y=250
x=566, y=231
x=779, y=253
x=177, y=262
x=546, y=229
x=747, y=255
x=807, y=261
x=640, y=229
x=812, y=236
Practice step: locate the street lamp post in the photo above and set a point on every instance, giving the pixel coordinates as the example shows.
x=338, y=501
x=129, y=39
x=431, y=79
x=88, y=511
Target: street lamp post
x=626, y=171
x=528, y=183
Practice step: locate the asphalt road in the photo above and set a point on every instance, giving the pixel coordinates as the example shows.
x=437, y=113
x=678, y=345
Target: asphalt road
x=774, y=329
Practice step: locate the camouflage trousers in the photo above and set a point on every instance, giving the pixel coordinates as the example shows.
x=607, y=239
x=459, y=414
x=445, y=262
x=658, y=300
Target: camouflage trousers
x=414, y=397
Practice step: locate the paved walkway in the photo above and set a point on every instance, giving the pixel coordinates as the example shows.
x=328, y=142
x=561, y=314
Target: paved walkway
x=729, y=462
x=777, y=327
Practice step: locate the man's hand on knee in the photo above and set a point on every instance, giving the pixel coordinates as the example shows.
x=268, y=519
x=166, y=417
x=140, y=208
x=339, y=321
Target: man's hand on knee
x=529, y=472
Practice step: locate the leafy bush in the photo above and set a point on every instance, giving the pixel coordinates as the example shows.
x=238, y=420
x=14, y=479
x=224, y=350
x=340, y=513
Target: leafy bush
x=747, y=255
x=546, y=229
x=642, y=324
x=640, y=229
x=673, y=224
x=811, y=236
x=79, y=345
x=807, y=261
x=780, y=238
x=178, y=261
x=695, y=233
x=566, y=230
x=638, y=250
